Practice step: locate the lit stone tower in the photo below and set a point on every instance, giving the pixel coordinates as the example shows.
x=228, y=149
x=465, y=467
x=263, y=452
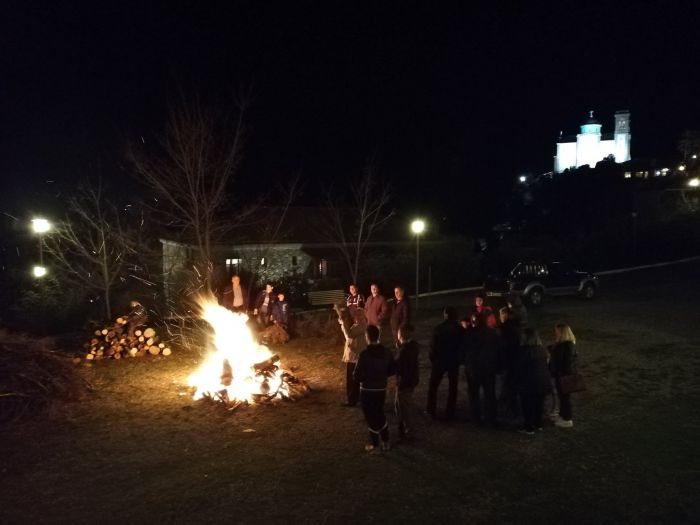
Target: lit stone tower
x=588, y=142
x=590, y=147
x=622, y=135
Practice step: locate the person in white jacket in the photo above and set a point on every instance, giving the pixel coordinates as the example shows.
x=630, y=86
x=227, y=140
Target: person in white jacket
x=354, y=344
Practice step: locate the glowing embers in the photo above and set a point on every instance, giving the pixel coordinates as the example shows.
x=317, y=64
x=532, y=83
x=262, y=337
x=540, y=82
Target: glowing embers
x=238, y=369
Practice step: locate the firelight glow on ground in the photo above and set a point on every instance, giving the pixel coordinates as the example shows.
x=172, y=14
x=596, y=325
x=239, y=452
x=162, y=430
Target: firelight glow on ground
x=233, y=342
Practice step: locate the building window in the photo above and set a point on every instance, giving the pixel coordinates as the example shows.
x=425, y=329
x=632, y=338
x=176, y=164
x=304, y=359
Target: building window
x=323, y=267
x=294, y=260
x=233, y=262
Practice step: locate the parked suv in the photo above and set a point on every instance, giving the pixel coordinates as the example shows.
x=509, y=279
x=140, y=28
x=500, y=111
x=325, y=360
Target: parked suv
x=534, y=280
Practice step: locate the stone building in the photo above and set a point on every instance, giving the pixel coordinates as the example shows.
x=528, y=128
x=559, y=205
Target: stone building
x=303, y=258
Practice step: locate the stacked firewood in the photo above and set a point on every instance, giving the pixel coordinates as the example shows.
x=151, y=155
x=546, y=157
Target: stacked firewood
x=119, y=341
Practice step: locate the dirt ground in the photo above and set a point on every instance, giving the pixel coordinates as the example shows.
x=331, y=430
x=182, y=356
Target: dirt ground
x=137, y=451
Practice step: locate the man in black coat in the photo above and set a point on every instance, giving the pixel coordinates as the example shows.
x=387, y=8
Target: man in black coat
x=445, y=357
x=482, y=353
x=400, y=315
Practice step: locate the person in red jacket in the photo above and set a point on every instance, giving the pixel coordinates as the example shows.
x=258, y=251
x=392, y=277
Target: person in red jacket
x=484, y=311
x=377, y=308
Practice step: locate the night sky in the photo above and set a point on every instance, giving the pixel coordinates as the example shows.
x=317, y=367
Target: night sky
x=455, y=100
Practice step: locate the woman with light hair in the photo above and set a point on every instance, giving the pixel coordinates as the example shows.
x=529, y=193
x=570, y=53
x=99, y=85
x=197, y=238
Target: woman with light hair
x=563, y=363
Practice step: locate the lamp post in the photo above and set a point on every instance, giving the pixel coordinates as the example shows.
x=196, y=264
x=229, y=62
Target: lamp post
x=417, y=227
x=40, y=227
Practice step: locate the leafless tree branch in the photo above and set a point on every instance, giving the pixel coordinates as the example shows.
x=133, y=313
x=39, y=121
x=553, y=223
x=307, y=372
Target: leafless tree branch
x=351, y=225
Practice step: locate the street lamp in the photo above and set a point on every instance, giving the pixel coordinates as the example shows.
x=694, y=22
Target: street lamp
x=523, y=179
x=417, y=227
x=40, y=227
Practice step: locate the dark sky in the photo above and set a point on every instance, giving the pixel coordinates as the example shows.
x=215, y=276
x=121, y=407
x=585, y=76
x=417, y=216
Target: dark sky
x=451, y=102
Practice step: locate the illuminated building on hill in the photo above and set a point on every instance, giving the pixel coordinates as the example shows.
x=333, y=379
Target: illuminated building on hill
x=591, y=145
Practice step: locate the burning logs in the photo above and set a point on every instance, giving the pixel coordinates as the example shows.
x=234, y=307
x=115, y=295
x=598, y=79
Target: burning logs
x=118, y=341
x=239, y=371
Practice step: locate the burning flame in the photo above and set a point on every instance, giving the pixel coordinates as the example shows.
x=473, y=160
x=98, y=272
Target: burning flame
x=229, y=373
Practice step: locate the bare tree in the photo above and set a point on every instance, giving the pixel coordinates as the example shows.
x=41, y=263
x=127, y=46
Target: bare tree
x=90, y=247
x=190, y=169
x=689, y=143
x=352, y=223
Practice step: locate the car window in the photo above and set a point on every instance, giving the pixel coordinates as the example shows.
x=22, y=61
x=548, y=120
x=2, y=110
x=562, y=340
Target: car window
x=559, y=269
x=531, y=270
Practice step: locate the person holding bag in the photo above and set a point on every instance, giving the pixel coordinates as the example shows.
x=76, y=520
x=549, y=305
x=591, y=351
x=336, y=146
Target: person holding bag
x=563, y=368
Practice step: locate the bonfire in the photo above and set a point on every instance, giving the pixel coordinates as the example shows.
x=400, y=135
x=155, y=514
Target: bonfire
x=239, y=370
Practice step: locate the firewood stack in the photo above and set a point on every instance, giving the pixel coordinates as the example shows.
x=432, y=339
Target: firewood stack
x=117, y=342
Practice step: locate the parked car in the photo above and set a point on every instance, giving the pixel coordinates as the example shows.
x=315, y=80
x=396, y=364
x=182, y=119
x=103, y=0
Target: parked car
x=534, y=281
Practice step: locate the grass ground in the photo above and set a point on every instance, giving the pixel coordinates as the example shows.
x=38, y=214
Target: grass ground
x=136, y=451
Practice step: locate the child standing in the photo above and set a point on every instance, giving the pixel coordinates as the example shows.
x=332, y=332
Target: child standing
x=374, y=366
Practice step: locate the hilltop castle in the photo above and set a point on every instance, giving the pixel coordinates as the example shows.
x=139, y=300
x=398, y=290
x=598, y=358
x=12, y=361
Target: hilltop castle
x=591, y=146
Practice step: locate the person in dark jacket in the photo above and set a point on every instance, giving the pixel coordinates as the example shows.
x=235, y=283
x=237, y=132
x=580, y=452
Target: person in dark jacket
x=377, y=308
x=406, y=379
x=534, y=380
x=374, y=366
x=280, y=311
x=263, y=305
x=563, y=363
x=445, y=357
x=518, y=312
x=278, y=330
x=354, y=300
x=235, y=297
x=400, y=315
x=482, y=360
x=510, y=333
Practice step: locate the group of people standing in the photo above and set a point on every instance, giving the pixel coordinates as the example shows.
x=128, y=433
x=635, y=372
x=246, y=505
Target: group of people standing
x=269, y=309
x=502, y=355
x=369, y=363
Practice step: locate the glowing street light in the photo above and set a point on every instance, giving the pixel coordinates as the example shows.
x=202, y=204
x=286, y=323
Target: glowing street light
x=40, y=225
x=681, y=167
x=694, y=182
x=523, y=179
x=417, y=227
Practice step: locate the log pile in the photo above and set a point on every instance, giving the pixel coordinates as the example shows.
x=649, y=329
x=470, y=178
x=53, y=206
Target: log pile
x=120, y=341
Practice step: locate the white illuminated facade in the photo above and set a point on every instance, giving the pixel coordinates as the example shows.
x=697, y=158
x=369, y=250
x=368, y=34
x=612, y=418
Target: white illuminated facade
x=591, y=145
